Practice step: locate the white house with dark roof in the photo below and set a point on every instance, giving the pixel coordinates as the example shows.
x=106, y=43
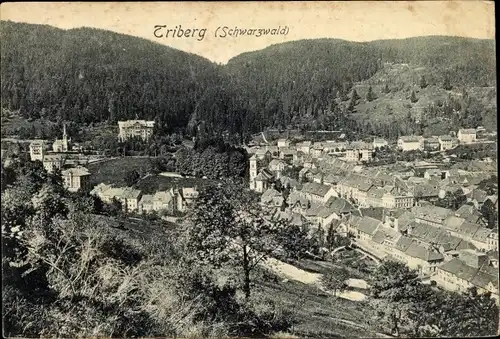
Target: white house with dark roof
x=76, y=178
x=466, y=136
x=37, y=150
x=318, y=193
x=411, y=143
x=445, y=142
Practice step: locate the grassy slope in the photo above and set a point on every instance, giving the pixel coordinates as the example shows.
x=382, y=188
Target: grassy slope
x=317, y=314
x=401, y=80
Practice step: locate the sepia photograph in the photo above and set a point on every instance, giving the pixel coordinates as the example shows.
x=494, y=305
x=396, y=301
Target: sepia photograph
x=249, y=169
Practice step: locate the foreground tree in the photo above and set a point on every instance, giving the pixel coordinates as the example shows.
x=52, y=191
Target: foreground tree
x=226, y=228
x=335, y=280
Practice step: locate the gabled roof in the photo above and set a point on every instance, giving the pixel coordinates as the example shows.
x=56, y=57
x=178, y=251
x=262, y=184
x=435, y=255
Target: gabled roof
x=339, y=205
x=316, y=188
x=76, y=171
x=423, y=253
x=366, y=225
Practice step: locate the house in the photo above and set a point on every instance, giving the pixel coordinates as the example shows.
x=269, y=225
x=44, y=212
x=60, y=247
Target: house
x=263, y=180
x=76, y=178
x=282, y=143
x=432, y=215
x=363, y=228
x=128, y=129
x=469, y=269
x=445, y=142
x=129, y=198
x=291, y=183
x=163, y=201
x=378, y=143
x=411, y=143
x=424, y=259
x=268, y=198
x=466, y=136
x=359, y=151
x=52, y=162
x=62, y=145
x=318, y=193
x=277, y=166
x=37, y=150
x=304, y=146
x=396, y=198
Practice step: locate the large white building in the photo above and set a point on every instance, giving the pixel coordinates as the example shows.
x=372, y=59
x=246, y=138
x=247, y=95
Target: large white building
x=37, y=150
x=466, y=136
x=135, y=129
x=411, y=143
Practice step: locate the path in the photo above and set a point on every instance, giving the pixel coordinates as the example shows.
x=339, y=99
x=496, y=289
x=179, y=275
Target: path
x=291, y=272
x=264, y=137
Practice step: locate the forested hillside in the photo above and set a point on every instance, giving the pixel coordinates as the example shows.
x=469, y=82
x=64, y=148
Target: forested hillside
x=88, y=75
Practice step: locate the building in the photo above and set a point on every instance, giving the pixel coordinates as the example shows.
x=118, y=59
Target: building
x=37, y=150
x=411, y=143
x=277, y=166
x=76, y=178
x=359, y=152
x=445, y=142
x=469, y=269
x=304, y=146
x=283, y=143
x=62, y=145
x=253, y=171
x=52, y=162
x=466, y=136
x=135, y=129
x=317, y=193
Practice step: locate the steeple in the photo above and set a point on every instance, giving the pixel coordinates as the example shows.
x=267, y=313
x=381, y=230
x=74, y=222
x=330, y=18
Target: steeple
x=65, y=136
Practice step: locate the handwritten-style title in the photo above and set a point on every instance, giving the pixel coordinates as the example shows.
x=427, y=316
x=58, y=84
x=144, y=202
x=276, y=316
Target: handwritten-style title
x=163, y=31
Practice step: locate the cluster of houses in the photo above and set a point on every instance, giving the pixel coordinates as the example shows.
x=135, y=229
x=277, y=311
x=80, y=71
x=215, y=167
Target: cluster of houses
x=441, y=142
x=132, y=200
x=389, y=211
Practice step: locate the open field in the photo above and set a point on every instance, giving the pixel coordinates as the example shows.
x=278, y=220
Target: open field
x=113, y=171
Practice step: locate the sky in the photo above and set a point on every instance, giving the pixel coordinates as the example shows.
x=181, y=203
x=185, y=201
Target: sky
x=354, y=20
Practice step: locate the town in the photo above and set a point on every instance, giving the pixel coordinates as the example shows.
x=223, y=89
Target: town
x=390, y=211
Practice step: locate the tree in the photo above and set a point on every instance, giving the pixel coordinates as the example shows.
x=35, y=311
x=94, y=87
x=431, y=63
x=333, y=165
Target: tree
x=293, y=241
x=489, y=214
x=413, y=97
x=423, y=82
x=370, y=96
x=335, y=280
x=131, y=177
x=470, y=314
x=386, y=89
x=226, y=229
x=393, y=289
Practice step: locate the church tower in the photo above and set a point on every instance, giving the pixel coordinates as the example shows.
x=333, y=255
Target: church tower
x=253, y=171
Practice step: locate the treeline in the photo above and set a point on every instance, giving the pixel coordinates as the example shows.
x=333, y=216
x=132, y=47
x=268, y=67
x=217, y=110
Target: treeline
x=87, y=75
x=214, y=160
